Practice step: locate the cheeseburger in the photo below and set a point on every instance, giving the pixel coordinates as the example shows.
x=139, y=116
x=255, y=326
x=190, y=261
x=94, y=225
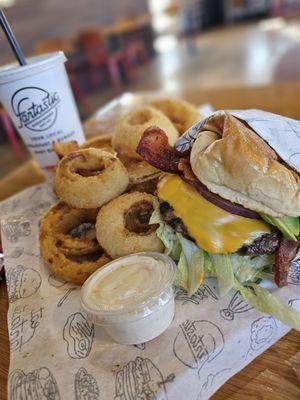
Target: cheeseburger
x=230, y=194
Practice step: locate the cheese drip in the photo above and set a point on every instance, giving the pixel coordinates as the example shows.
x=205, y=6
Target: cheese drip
x=214, y=229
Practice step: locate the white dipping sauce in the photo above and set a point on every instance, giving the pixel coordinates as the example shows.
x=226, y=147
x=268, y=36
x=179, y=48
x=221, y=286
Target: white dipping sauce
x=132, y=297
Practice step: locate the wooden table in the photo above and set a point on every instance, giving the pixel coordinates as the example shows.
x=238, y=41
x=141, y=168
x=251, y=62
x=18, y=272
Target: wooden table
x=276, y=373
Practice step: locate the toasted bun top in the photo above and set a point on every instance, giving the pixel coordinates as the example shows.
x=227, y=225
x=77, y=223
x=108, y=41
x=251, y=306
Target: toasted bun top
x=234, y=162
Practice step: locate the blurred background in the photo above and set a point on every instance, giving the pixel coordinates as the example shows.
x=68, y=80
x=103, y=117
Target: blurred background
x=167, y=45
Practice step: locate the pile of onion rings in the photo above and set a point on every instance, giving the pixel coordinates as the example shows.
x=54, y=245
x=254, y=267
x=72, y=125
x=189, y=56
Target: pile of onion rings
x=106, y=192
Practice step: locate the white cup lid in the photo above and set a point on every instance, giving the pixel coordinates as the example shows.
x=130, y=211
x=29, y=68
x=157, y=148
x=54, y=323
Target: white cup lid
x=13, y=71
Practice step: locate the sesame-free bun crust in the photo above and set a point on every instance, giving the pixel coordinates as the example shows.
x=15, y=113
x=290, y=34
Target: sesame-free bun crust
x=234, y=162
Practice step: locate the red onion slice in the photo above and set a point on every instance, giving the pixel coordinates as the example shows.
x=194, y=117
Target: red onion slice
x=187, y=174
x=226, y=205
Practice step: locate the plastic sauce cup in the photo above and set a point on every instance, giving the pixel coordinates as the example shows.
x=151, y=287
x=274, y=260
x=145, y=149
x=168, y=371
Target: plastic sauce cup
x=40, y=102
x=132, y=297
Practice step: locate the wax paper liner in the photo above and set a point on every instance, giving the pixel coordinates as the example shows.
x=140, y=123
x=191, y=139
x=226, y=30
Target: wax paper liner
x=57, y=354
x=54, y=348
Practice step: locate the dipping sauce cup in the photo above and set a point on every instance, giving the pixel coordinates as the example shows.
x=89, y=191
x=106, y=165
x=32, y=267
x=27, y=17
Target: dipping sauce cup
x=132, y=297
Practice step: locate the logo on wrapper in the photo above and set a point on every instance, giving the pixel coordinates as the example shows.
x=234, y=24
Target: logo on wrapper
x=197, y=343
x=35, y=108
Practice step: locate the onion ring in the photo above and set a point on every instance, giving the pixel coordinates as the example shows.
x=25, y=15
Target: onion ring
x=64, y=148
x=142, y=177
x=89, y=178
x=70, y=226
x=103, y=142
x=70, y=268
x=66, y=256
x=129, y=130
x=123, y=228
x=182, y=114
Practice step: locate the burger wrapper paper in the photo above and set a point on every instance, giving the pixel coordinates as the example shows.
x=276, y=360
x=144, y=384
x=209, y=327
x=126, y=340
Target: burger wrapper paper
x=281, y=133
x=56, y=353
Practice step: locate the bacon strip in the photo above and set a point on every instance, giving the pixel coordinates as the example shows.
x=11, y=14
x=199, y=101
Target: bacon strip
x=283, y=257
x=155, y=149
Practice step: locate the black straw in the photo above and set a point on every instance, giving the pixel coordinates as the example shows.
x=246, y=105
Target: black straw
x=11, y=39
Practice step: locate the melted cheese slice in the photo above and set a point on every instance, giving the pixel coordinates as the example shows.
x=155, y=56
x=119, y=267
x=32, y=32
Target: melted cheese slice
x=214, y=229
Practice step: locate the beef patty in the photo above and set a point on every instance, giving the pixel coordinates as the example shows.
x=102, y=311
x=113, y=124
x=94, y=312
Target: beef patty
x=267, y=243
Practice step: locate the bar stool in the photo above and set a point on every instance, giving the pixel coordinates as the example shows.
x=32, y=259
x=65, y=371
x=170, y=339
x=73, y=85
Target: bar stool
x=9, y=130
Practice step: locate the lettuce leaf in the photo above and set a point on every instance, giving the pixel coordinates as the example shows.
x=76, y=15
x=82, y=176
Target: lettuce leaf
x=190, y=258
x=262, y=300
x=224, y=272
x=248, y=268
x=156, y=217
x=182, y=279
x=170, y=241
x=193, y=259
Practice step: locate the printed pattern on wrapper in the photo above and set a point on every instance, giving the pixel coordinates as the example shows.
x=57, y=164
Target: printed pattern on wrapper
x=141, y=379
x=25, y=320
x=294, y=272
x=237, y=305
x=15, y=229
x=79, y=334
x=198, y=343
x=54, y=349
x=22, y=282
x=263, y=330
x=39, y=384
x=61, y=283
x=203, y=292
x=85, y=385
x=208, y=384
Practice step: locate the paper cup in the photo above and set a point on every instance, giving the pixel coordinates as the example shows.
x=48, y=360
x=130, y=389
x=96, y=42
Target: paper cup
x=40, y=102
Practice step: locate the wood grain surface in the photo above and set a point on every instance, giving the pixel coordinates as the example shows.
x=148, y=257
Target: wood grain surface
x=273, y=375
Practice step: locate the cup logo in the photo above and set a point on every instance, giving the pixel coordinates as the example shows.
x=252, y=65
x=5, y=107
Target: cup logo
x=35, y=108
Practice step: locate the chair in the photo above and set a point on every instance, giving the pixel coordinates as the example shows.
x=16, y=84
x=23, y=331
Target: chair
x=137, y=52
x=9, y=130
x=97, y=57
x=131, y=39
